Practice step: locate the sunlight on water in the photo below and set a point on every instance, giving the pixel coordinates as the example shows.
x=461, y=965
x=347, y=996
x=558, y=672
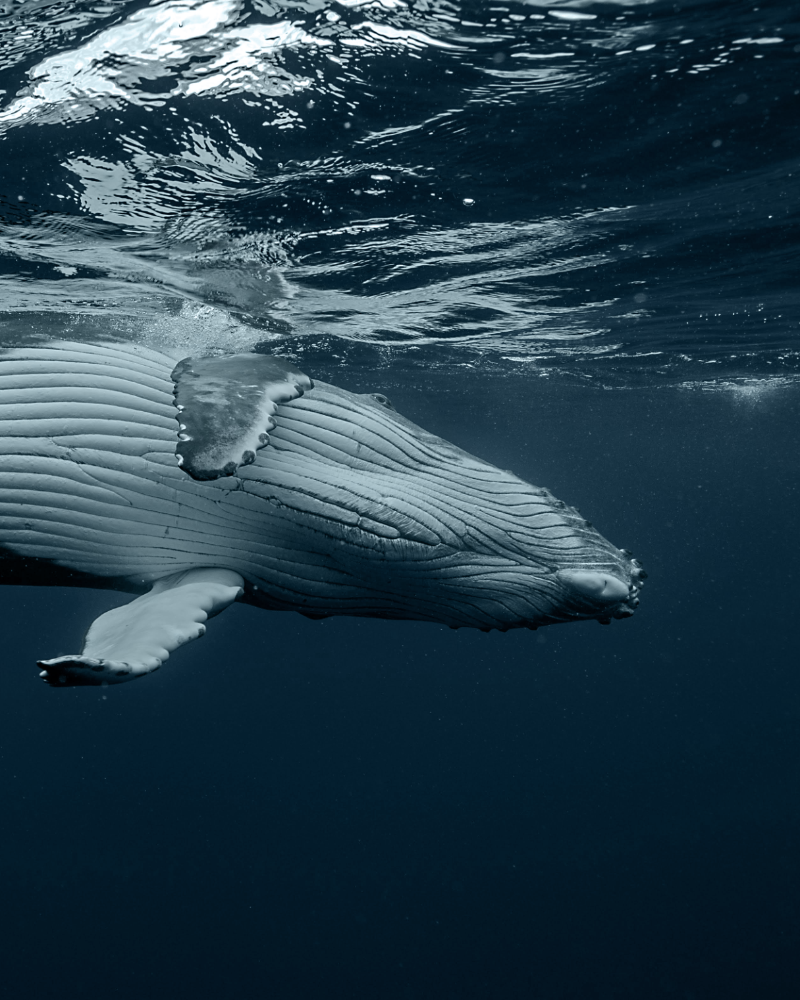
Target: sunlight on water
x=195, y=330
x=556, y=185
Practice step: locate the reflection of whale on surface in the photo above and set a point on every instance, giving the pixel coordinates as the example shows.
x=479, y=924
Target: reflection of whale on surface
x=236, y=478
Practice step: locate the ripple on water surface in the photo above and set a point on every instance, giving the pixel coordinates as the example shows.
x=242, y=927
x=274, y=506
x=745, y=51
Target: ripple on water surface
x=603, y=190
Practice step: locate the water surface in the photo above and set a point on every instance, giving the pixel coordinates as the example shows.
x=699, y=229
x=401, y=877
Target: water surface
x=605, y=190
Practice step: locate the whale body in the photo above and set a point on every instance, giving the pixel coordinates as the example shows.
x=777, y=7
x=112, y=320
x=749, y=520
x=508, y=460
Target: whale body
x=238, y=478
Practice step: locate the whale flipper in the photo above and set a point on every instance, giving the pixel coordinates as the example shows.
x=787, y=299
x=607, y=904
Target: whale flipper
x=225, y=409
x=135, y=639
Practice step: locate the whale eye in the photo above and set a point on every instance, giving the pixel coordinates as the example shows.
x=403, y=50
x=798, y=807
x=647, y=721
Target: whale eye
x=380, y=398
x=227, y=406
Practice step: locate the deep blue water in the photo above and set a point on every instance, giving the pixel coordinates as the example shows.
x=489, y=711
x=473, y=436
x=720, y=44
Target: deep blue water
x=562, y=235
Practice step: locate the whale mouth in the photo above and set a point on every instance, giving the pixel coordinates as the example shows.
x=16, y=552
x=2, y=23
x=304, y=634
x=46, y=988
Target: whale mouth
x=601, y=587
x=604, y=593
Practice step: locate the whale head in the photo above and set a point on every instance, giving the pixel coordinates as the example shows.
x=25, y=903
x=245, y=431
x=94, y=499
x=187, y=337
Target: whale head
x=407, y=525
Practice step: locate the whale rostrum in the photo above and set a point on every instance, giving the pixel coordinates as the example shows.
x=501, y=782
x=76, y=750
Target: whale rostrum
x=238, y=478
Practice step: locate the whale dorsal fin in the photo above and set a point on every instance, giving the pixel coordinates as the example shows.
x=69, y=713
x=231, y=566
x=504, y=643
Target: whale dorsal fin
x=136, y=638
x=226, y=406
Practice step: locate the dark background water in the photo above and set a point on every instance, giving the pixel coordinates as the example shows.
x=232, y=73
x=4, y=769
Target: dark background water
x=580, y=266
x=359, y=809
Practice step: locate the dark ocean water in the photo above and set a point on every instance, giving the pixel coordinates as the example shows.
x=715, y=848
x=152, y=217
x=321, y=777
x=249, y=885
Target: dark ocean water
x=563, y=235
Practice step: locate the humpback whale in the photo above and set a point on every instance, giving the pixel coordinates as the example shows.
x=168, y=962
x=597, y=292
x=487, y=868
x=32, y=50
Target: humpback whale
x=238, y=478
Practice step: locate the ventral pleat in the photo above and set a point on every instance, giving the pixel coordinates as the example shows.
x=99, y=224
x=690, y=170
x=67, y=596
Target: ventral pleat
x=226, y=408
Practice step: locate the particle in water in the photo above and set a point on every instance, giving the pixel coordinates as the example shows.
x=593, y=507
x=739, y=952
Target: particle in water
x=468, y=202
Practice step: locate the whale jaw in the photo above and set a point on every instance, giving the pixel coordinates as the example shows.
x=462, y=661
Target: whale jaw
x=604, y=595
x=600, y=587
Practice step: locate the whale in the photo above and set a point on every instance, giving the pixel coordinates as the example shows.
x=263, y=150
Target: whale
x=194, y=482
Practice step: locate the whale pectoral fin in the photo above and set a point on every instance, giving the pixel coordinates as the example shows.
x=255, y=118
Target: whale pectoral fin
x=226, y=407
x=133, y=640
